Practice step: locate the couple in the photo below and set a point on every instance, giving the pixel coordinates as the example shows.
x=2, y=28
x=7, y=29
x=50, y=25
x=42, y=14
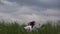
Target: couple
x=30, y=26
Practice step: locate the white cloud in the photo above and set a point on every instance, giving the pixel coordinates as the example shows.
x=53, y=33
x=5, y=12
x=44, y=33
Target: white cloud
x=24, y=10
x=8, y=3
x=22, y=15
x=51, y=11
x=12, y=11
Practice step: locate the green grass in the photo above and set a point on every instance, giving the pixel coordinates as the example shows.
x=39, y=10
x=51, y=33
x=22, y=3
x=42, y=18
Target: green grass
x=15, y=28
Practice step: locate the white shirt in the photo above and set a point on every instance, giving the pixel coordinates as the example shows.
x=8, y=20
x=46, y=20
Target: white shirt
x=28, y=27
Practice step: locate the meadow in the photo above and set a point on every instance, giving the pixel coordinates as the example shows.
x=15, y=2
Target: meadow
x=15, y=28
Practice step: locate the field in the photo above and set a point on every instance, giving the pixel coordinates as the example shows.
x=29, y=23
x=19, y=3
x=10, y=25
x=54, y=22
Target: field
x=15, y=28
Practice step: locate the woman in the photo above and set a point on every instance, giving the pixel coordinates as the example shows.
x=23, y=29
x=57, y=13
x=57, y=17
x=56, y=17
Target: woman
x=30, y=26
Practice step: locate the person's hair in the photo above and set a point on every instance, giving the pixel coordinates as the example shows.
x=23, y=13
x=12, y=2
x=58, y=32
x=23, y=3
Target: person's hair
x=32, y=23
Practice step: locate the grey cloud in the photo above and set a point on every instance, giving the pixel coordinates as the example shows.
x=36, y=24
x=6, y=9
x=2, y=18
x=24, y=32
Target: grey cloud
x=27, y=10
x=39, y=3
x=43, y=3
x=7, y=9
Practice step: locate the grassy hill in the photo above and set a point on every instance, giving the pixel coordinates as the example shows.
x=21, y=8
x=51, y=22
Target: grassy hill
x=15, y=28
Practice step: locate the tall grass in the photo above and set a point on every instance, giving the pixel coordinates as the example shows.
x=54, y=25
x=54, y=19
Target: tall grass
x=15, y=28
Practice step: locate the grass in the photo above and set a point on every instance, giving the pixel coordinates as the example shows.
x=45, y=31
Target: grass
x=15, y=28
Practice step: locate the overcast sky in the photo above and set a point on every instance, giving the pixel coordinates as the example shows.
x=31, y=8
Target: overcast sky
x=30, y=10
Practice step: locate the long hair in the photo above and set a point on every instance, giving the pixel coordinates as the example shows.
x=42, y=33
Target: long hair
x=31, y=23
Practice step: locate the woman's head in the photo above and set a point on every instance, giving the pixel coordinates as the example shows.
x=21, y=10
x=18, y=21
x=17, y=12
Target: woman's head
x=32, y=23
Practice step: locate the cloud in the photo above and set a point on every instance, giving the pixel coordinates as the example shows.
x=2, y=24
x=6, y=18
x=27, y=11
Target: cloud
x=8, y=3
x=51, y=12
x=51, y=3
x=39, y=3
x=8, y=7
x=30, y=10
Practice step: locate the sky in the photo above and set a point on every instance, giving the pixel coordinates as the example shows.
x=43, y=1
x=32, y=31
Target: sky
x=30, y=10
